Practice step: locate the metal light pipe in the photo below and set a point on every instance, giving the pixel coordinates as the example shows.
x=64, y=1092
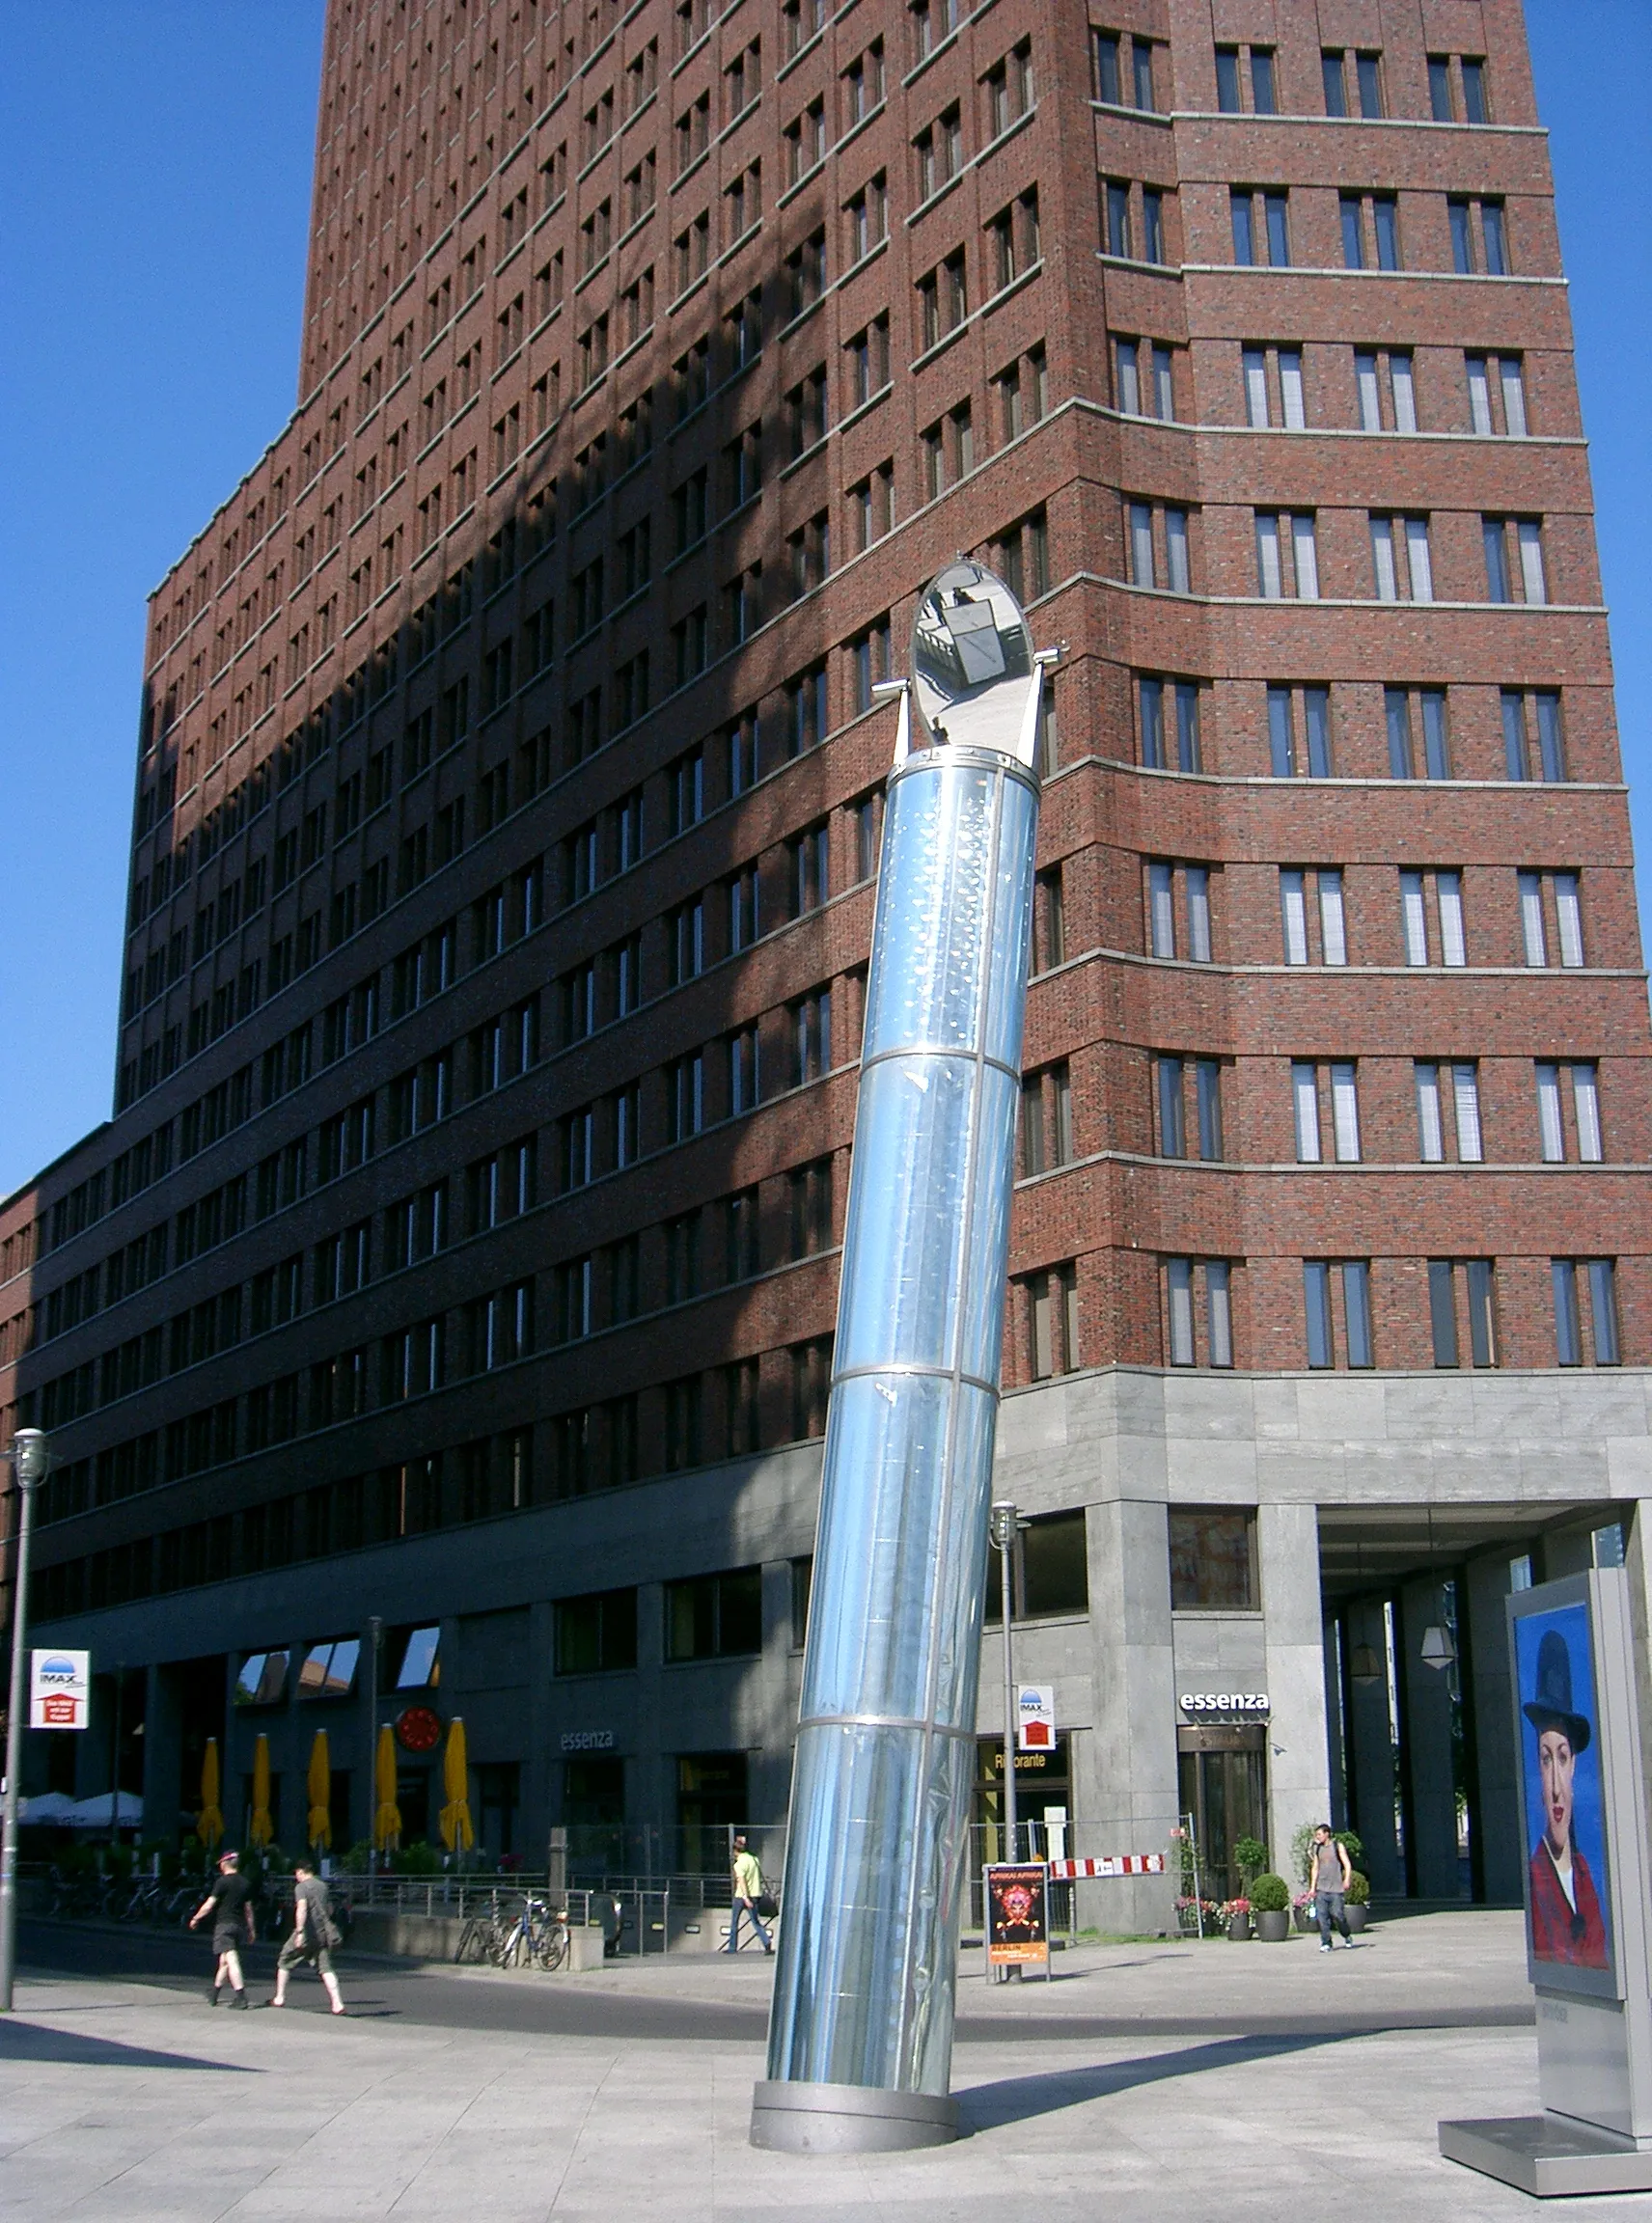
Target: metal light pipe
x=860, y=2028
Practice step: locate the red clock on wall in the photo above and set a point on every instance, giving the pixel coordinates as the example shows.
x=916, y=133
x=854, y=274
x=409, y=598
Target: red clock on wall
x=418, y=1729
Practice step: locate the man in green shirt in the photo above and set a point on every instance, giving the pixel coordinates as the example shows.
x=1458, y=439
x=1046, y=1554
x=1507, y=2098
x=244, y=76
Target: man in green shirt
x=748, y=1889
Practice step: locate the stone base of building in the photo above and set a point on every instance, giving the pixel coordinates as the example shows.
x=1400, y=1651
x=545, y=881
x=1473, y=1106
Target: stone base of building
x=848, y=2119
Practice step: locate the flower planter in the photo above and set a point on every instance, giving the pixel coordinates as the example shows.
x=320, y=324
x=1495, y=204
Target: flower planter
x=1239, y=1929
x=1306, y=1921
x=1272, y=1928
x=1357, y=1918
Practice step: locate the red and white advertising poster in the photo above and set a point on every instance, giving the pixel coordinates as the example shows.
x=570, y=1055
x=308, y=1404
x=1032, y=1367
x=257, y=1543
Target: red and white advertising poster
x=60, y=1689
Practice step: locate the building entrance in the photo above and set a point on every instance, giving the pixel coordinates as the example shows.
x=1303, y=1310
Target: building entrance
x=1222, y=1779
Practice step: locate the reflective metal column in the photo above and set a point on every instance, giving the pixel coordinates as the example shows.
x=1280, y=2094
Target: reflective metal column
x=860, y=2030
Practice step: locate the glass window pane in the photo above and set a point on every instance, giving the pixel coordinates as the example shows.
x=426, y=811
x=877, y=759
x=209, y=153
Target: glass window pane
x=1357, y=1311
x=1431, y=1131
x=1220, y=1310
x=1179, y=1285
x=1603, y=1311
x=1152, y=694
x=1316, y=1298
x=1568, y=1341
x=1281, y=740
x=1195, y=879
x=419, y=1661
x=1442, y=1310
x=1212, y=1559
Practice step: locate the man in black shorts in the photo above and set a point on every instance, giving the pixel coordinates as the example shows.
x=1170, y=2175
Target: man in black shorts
x=313, y=1935
x=230, y=1905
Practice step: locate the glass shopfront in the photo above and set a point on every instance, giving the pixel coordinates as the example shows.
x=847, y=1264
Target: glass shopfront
x=1041, y=1780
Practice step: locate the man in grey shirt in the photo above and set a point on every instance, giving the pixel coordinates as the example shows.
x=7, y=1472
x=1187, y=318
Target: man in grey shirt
x=313, y=1935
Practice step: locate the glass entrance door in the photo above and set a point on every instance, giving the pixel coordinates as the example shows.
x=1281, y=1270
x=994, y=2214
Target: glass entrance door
x=1226, y=1793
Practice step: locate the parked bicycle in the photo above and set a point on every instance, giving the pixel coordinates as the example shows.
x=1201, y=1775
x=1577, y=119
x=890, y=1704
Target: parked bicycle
x=532, y=1937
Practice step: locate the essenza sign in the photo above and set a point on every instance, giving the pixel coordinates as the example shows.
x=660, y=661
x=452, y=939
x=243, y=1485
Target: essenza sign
x=1250, y=1703
x=588, y=1739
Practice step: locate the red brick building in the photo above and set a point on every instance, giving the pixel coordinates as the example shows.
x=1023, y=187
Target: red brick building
x=463, y=1247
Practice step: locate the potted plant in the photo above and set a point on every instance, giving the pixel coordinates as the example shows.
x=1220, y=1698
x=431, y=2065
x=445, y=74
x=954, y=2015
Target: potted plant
x=1358, y=1902
x=1249, y=1857
x=1307, y=1919
x=1270, y=1902
x=1236, y=1914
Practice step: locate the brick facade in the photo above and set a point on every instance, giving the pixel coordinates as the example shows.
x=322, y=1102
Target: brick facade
x=397, y=686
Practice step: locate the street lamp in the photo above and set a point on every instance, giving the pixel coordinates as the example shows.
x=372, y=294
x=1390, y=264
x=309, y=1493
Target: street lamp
x=1008, y=1523
x=30, y=1455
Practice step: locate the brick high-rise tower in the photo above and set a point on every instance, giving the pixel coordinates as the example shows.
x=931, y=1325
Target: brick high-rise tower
x=461, y=1252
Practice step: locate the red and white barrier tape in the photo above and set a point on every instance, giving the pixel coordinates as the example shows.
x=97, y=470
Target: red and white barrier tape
x=1114, y=1864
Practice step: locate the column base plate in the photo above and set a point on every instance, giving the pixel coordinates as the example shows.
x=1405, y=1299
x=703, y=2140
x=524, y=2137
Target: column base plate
x=848, y=2119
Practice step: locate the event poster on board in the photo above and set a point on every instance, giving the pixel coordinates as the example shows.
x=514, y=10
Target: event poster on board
x=1569, y=1937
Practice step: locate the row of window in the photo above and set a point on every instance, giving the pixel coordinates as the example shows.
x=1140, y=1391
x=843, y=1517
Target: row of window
x=1463, y=1318
x=1314, y=916
x=1136, y=227
x=1134, y=72
x=1158, y=545
x=1383, y=392
x=1304, y=741
x=1325, y=1112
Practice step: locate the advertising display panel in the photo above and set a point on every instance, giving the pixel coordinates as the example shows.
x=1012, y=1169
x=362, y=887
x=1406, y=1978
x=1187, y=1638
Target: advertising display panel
x=1564, y=1801
x=60, y=1689
x=1018, y=1914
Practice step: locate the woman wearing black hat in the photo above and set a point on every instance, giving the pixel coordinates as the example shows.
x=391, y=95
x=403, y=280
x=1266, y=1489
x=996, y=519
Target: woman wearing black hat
x=1566, y=1922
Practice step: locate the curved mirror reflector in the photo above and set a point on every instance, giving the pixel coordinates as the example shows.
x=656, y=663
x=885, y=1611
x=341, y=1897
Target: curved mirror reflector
x=973, y=668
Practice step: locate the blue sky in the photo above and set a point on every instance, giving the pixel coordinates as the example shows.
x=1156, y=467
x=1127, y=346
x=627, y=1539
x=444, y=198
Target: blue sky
x=156, y=186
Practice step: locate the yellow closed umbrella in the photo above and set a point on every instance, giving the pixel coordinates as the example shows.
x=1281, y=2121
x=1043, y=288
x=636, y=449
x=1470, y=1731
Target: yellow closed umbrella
x=458, y=1834
x=387, y=1821
x=210, y=1821
x=261, y=1829
x=318, y=1829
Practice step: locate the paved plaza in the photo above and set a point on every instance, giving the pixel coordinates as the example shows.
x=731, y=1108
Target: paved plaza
x=1149, y=2081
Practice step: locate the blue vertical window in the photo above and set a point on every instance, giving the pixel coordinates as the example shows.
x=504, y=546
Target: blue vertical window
x=1317, y=1299
x=1278, y=230
x=1152, y=698
x=1242, y=206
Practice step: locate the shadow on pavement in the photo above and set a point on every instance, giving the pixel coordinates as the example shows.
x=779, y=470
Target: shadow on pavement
x=33, y=2042
x=1017, y=2098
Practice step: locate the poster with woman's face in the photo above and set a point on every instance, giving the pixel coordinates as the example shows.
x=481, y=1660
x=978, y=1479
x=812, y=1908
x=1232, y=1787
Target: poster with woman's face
x=1568, y=1898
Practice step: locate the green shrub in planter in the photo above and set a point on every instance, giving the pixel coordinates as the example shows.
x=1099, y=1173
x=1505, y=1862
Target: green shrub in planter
x=1270, y=1894
x=1251, y=1854
x=1358, y=1892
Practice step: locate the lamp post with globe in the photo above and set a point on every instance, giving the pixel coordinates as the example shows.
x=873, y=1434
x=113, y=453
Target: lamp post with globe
x=30, y=1456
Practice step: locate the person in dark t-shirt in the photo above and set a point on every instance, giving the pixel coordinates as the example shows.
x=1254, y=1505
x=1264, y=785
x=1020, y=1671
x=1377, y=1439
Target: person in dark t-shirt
x=230, y=1905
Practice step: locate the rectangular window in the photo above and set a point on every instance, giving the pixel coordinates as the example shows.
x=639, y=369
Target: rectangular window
x=1403, y=754
x=1305, y=1107
x=1116, y=197
x=1212, y=1559
x=1277, y=206
x=1185, y=1320
x=1243, y=208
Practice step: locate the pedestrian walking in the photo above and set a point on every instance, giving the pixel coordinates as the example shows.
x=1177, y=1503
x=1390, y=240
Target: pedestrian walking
x=1333, y=1873
x=230, y=1905
x=315, y=1934
x=748, y=1878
